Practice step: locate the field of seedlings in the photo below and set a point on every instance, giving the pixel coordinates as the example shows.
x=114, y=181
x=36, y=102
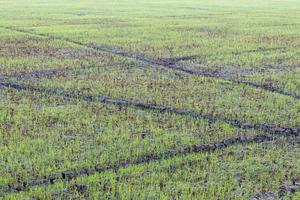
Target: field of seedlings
x=140, y=99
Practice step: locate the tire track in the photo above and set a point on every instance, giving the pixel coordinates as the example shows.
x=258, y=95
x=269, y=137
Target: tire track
x=151, y=106
x=205, y=73
x=264, y=49
x=71, y=174
x=36, y=74
x=161, y=63
x=83, y=188
x=267, y=87
x=174, y=60
x=48, y=73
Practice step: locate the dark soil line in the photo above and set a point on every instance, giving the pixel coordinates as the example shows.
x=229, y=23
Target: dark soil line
x=118, y=51
x=264, y=49
x=282, y=191
x=36, y=74
x=174, y=66
x=151, y=106
x=241, y=52
x=159, y=63
x=45, y=35
x=48, y=73
x=174, y=60
x=172, y=168
x=87, y=171
x=71, y=174
x=205, y=73
x=267, y=87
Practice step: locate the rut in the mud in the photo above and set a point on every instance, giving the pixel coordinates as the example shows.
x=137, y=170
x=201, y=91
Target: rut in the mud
x=263, y=49
x=161, y=63
x=36, y=74
x=160, y=108
x=284, y=190
x=71, y=174
x=268, y=88
x=48, y=73
x=188, y=70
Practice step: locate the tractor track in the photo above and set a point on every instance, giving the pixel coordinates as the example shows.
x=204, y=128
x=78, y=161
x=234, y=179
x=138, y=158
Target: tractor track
x=71, y=174
x=48, y=73
x=68, y=175
x=161, y=63
x=150, y=106
x=36, y=74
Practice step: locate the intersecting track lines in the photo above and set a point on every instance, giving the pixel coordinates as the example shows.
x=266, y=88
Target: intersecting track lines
x=87, y=171
x=59, y=72
x=188, y=70
x=160, y=63
x=71, y=174
x=273, y=133
x=150, y=106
